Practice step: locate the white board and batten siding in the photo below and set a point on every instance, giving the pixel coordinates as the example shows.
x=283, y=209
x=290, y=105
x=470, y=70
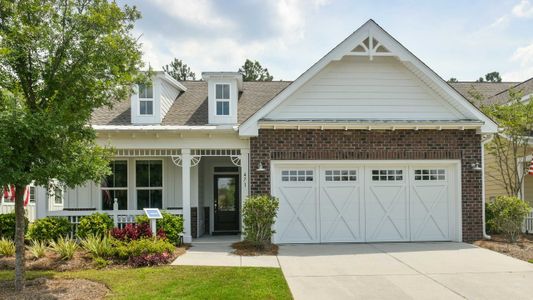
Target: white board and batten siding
x=359, y=88
x=168, y=94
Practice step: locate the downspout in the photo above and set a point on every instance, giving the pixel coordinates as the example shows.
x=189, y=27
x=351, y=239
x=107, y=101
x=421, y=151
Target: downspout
x=483, y=142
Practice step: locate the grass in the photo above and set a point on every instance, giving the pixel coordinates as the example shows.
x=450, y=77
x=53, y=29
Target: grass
x=184, y=282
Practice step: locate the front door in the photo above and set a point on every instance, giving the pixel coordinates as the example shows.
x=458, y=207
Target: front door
x=226, y=203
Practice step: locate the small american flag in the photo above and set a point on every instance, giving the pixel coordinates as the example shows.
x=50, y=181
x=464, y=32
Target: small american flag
x=530, y=171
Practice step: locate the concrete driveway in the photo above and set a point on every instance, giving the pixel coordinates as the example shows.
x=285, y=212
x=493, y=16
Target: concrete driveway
x=403, y=271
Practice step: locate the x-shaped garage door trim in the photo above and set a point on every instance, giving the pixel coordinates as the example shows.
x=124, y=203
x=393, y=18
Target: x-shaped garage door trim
x=340, y=212
x=387, y=211
x=296, y=214
x=429, y=211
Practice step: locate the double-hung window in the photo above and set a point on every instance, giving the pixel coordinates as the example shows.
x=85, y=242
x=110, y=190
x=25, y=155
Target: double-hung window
x=222, y=99
x=115, y=186
x=149, y=183
x=146, y=99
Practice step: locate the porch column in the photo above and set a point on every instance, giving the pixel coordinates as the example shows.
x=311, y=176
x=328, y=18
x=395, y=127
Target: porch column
x=245, y=180
x=186, y=193
x=41, y=202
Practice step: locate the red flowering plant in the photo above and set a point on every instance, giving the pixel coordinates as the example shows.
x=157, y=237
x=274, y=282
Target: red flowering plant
x=132, y=232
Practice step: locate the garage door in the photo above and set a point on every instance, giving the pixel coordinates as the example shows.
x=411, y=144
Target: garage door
x=340, y=202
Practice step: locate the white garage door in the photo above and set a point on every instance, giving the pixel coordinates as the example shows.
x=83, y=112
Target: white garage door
x=344, y=202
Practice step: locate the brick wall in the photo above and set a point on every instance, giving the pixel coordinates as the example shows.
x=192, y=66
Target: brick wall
x=290, y=144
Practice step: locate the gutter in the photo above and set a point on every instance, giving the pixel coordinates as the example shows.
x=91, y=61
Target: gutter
x=483, y=200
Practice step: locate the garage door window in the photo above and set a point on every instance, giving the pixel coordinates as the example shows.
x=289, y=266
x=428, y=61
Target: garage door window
x=430, y=174
x=297, y=175
x=387, y=175
x=341, y=175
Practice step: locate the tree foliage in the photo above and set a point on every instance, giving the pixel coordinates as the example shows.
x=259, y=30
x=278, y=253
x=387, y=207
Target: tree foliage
x=453, y=79
x=253, y=71
x=59, y=61
x=491, y=77
x=510, y=146
x=259, y=214
x=508, y=215
x=179, y=70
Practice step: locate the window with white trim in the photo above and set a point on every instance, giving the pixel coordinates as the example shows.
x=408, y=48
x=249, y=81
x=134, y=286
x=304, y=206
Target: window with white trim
x=58, y=195
x=115, y=186
x=222, y=98
x=32, y=194
x=341, y=175
x=387, y=175
x=430, y=174
x=297, y=175
x=149, y=183
x=146, y=99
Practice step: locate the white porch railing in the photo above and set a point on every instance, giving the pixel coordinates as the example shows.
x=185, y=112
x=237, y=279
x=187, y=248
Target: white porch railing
x=528, y=223
x=120, y=217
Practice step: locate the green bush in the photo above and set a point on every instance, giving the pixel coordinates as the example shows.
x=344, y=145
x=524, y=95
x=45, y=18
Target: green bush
x=508, y=215
x=7, y=226
x=125, y=250
x=98, y=246
x=489, y=219
x=49, y=229
x=142, y=219
x=100, y=263
x=37, y=249
x=172, y=226
x=7, y=247
x=97, y=224
x=64, y=247
x=259, y=213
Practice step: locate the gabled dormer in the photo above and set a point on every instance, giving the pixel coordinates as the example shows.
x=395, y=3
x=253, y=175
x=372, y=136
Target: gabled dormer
x=223, y=96
x=150, y=102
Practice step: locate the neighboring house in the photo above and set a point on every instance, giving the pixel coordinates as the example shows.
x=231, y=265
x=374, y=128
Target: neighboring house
x=498, y=93
x=369, y=144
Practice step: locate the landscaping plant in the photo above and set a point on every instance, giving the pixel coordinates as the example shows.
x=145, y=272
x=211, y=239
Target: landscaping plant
x=49, y=229
x=170, y=227
x=7, y=225
x=134, y=248
x=259, y=213
x=98, y=224
x=509, y=213
x=132, y=232
x=37, y=248
x=7, y=247
x=64, y=247
x=98, y=246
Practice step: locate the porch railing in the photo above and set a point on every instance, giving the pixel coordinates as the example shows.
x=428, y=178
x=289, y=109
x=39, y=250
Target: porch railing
x=120, y=217
x=528, y=223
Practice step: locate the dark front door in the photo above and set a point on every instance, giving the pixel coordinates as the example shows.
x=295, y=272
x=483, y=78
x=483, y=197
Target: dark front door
x=226, y=203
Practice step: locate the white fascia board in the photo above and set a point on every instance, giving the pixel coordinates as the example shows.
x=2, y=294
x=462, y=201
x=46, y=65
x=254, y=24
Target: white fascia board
x=370, y=28
x=172, y=81
x=132, y=128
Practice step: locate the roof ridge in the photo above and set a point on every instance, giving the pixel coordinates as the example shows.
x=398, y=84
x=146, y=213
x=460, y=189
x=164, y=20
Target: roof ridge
x=508, y=89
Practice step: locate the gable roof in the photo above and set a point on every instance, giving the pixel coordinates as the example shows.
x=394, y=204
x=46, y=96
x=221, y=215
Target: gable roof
x=502, y=97
x=394, y=48
x=485, y=89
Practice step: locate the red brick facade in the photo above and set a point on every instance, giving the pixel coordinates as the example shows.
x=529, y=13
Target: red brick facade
x=290, y=144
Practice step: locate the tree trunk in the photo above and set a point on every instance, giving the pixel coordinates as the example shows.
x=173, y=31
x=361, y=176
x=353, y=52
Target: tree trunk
x=19, y=238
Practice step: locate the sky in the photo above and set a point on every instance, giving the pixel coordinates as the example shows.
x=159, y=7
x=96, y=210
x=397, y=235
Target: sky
x=461, y=39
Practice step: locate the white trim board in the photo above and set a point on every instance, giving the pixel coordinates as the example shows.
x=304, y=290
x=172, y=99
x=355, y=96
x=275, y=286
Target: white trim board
x=371, y=29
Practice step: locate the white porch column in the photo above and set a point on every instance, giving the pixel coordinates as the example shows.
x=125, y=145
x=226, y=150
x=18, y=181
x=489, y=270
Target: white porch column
x=186, y=193
x=41, y=202
x=245, y=181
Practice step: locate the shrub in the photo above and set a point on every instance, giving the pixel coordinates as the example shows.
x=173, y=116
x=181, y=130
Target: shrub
x=7, y=226
x=100, y=263
x=172, y=227
x=64, y=247
x=155, y=259
x=132, y=232
x=37, y=249
x=98, y=246
x=126, y=250
x=509, y=213
x=259, y=213
x=49, y=229
x=489, y=219
x=141, y=219
x=96, y=224
x=7, y=247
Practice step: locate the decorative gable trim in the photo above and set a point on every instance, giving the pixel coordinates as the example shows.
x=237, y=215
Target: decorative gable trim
x=371, y=40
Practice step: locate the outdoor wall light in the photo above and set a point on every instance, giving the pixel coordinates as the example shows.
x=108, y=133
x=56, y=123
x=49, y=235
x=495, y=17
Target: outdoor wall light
x=260, y=167
x=476, y=166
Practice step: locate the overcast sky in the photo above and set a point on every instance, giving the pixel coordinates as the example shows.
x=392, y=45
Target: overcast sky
x=462, y=39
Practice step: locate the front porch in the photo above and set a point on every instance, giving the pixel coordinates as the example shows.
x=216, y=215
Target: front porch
x=205, y=186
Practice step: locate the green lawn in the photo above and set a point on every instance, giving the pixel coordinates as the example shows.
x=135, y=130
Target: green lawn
x=184, y=282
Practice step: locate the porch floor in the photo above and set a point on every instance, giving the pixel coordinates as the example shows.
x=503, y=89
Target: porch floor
x=217, y=251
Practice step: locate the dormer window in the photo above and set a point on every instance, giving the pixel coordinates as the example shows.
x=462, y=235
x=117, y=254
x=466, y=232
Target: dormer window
x=146, y=99
x=222, y=98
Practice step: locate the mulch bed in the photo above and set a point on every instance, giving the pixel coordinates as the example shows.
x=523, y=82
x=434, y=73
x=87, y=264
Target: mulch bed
x=522, y=249
x=49, y=288
x=245, y=248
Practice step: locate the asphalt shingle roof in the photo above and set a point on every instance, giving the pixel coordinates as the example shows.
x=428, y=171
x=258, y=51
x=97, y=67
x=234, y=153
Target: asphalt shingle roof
x=470, y=89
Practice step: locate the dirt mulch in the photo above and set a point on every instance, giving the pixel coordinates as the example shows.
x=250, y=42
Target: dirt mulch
x=49, y=288
x=245, y=248
x=522, y=249
x=80, y=261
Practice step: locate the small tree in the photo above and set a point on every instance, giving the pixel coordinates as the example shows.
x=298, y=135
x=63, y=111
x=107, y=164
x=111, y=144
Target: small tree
x=179, y=70
x=59, y=61
x=259, y=214
x=453, y=79
x=508, y=215
x=253, y=71
x=510, y=146
x=491, y=77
